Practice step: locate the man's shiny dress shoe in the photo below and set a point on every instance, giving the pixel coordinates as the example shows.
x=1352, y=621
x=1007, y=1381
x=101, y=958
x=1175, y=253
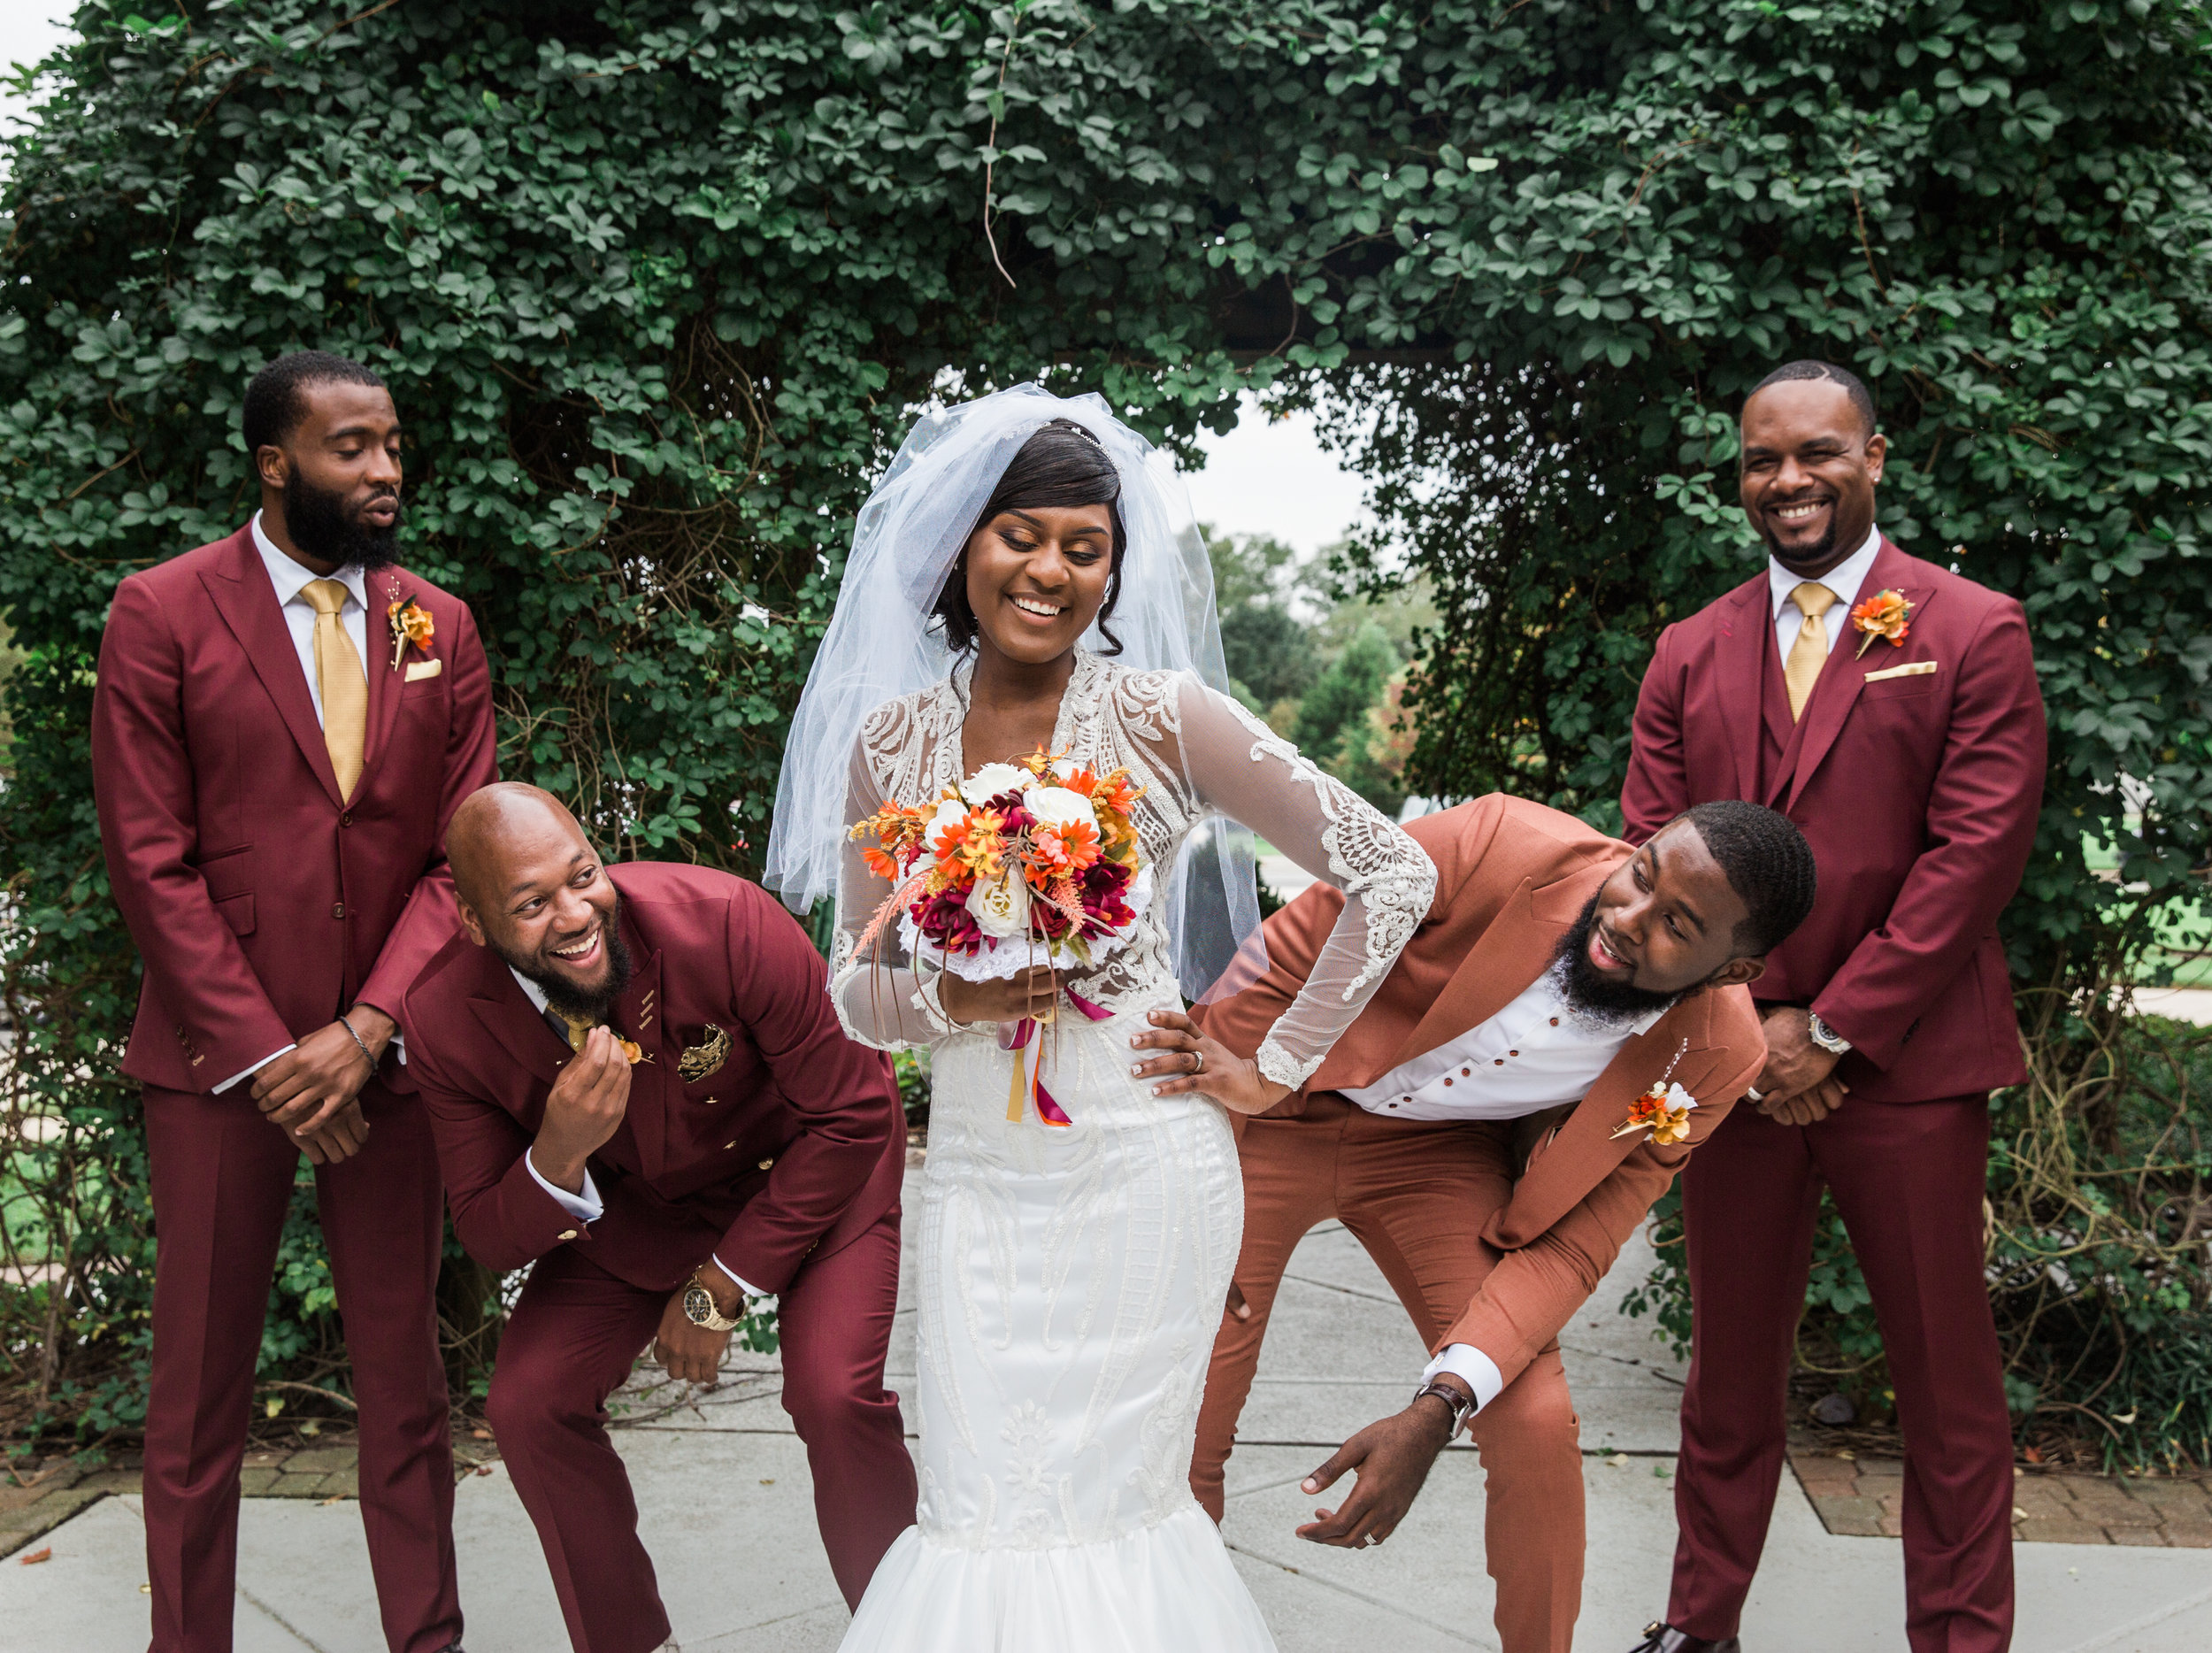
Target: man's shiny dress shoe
x=1660, y=1638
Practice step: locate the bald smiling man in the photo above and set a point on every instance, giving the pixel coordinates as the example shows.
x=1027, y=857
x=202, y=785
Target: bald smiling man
x=640, y=1092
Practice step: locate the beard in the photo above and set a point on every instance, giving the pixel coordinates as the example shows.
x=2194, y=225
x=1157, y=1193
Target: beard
x=327, y=528
x=1588, y=991
x=562, y=994
x=1819, y=552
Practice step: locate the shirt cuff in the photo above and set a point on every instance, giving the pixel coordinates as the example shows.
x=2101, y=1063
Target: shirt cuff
x=585, y=1208
x=743, y=1285
x=250, y=1072
x=1472, y=1367
x=399, y=1045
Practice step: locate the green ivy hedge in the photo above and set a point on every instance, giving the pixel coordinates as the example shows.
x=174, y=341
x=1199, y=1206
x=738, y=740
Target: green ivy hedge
x=658, y=283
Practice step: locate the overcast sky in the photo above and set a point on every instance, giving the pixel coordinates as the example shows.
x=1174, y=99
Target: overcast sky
x=1266, y=477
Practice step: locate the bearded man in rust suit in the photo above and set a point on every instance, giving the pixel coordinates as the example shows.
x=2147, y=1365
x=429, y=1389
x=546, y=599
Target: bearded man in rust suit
x=283, y=723
x=1889, y=707
x=642, y=1093
x=1482, y=1130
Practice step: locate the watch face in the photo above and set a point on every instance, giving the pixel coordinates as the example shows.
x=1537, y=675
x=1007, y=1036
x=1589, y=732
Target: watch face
x=698, y=1305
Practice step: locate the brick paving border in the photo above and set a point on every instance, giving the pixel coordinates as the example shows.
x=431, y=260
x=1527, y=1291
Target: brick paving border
x=1863, y=1497
x=33, y=1503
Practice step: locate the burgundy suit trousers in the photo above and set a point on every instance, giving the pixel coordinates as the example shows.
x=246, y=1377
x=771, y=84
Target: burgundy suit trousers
x=1907, y=1181
x=571, y=1340
x=222, y=1181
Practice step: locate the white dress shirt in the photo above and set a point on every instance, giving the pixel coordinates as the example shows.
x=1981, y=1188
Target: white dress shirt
x=587, y=1207
x=290, y=578
x=1844, y=580
x=1535, y=1053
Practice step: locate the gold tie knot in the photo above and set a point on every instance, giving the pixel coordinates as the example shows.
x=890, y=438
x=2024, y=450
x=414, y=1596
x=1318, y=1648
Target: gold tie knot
x=578, y=1028
x=325, y=597
x=1814, y=600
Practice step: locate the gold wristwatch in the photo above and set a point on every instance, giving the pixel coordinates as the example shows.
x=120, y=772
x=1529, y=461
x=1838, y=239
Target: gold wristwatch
x=699, y=1305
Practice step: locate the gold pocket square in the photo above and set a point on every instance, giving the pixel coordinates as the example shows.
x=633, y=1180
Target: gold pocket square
x=1918, y=668
x=705, y=1059
x=419, y=669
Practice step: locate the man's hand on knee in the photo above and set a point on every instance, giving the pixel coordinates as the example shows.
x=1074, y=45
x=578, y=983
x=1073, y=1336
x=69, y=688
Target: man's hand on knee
x=691, y=1354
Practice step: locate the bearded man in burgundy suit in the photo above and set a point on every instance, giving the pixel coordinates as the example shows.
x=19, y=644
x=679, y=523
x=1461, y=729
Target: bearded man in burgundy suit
x=283, y=723
x=1889, y=707
x=643, y=1092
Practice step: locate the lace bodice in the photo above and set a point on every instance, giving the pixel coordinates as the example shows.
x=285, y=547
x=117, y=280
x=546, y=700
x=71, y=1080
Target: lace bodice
x=1196, y=753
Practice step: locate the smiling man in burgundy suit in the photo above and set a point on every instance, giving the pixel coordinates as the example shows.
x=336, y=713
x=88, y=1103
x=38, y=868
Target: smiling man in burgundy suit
x=1913, y=761
x=273, y=779
x=741, y=1145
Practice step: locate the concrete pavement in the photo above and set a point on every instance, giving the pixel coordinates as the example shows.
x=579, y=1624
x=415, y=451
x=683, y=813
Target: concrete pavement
x=728, y=1514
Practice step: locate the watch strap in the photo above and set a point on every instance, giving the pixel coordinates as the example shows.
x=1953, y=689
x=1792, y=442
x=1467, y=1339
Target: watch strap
x=714, y=1320
x=1461, y=1404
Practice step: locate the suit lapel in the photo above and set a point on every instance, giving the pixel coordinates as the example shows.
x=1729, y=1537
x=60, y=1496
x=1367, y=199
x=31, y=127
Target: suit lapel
x=1740, y=662
x=638, y=1017
x=1586, y=1151
x=238, y=586
x=507, y=1014
x=383, y=587
x=1845, y=674
x=1509, y=954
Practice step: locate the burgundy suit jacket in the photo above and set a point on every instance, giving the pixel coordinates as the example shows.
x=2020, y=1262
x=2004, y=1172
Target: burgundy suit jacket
x=1918, y=792
x=1511, y=877
x=757, y=1131
x=261, y=903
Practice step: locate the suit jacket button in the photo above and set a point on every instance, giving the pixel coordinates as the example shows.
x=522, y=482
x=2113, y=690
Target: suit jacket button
x=339, y=911
x=765, y=1164
x=346, y=819
x=568, y=1234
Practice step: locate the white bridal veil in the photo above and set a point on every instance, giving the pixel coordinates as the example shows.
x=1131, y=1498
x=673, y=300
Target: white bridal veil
x=880, y=645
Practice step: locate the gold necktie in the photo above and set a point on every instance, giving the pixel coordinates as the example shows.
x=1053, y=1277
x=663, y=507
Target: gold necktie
x=343, y=684
x=1809, y=653
x=578, y=1028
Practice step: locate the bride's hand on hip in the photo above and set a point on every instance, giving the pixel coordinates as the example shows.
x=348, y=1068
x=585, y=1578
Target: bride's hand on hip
x=1192, y=1062
x=1029, y=993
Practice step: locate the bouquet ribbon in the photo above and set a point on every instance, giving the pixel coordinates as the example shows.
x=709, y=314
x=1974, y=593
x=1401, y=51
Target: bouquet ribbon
x=1028, y=1083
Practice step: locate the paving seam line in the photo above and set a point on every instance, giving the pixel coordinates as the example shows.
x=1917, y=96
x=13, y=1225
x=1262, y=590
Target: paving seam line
x=1455, y=1632
x=2149, y=1621
x=278, y=1618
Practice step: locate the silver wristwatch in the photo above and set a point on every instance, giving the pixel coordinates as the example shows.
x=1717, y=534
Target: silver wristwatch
x=1826, y=1037
x=700, y=1311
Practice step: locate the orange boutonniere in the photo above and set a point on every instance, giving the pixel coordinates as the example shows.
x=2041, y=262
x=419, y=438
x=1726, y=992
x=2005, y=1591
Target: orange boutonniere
x=410, y=622
x=1884, y=614
x=1663, y=1111
x=630, y=1050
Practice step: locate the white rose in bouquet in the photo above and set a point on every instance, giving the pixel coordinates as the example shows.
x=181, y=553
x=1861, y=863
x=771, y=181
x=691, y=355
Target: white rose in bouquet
x=1057, y=806
x=1001, y=908
x=992, y=778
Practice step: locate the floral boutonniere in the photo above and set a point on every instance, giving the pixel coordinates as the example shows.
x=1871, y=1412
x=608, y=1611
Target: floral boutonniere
x=411, y=623
x=1884, y=614
x=1664, y=1111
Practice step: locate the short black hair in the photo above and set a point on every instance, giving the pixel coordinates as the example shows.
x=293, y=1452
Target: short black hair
x=1769, y=864
x=274, y=407
x=1854, y=386
x=1063, y=464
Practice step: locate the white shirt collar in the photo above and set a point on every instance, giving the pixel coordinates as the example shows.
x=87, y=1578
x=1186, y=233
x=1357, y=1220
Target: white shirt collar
x=531, y=991
x=290, y=578
x=1844, y=579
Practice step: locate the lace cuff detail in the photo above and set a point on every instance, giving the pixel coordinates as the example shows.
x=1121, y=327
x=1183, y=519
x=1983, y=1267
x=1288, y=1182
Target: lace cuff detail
x=928, y=1000
x=1279, y=1066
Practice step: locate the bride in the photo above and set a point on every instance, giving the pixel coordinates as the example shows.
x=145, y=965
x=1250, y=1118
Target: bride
x=1025, y=577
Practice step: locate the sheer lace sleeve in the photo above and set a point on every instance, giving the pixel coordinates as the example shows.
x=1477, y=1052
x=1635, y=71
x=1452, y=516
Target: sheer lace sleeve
x=882, y=997
x=1240, y=766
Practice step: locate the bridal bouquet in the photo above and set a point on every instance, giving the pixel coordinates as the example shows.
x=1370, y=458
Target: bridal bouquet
x=1033, y=863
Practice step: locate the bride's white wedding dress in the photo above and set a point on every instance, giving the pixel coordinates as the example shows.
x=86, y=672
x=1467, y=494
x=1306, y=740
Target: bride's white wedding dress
x=1071, y=1279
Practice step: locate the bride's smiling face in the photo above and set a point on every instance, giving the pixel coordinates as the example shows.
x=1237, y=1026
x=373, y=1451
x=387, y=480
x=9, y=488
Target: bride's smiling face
x=1037, y=578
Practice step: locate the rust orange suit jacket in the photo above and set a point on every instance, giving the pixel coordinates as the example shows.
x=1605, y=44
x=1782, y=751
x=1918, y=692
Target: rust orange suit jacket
x=1512, y=877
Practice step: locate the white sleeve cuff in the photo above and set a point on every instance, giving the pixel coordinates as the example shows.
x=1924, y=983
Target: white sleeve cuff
x=585, y=1208
x=743, y=1285
x=1472, y=1367
x=399, y=1044
x=250, y=1072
